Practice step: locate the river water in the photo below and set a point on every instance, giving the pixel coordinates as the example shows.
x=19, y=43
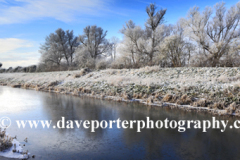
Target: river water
x=79, y=143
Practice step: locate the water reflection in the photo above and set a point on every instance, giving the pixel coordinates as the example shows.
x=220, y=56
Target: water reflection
x=111, y=143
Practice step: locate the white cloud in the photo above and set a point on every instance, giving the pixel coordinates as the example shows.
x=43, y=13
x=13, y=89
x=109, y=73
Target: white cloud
x=17, y=52
x=63, y=10
x=10, y=44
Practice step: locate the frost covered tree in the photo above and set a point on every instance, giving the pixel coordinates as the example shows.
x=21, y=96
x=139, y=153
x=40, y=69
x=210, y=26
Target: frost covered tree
x=214, y=31
x=128, y=55
x=59, y=46
x=50, y=53
x=175, y=49
x=94, y=41
x=72, y=45
x=60, y=40
x=145, y=41
x=156, y=18
x=130, y=45
x=114, y=42
x=232, y=58
x=83, y=58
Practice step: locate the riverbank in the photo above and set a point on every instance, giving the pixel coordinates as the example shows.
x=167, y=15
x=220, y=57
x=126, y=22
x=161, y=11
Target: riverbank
x=214, y=90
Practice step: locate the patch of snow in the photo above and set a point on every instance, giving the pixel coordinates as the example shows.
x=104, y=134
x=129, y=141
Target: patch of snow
x=18, y=154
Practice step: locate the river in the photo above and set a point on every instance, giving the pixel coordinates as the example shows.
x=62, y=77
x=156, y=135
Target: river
x=79, y=143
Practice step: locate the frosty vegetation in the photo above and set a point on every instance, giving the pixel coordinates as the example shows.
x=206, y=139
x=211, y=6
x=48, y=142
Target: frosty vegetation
x=209, y=38
x=10, y=147
x=202, y=88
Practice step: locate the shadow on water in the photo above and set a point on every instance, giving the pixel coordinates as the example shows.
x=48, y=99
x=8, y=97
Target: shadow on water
x=79, y=143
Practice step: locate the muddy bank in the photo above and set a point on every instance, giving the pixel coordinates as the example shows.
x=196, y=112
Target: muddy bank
x=214, y=90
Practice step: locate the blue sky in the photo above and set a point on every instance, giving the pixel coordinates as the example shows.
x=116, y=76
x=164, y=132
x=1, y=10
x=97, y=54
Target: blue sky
x=24, y=24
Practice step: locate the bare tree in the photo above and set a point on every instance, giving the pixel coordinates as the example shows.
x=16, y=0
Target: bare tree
x=59, y=46
x=50, y=51
x=156, y=18
x=130, y=45
x=83, y=58
x=128, y=55
x=72, y=45
x=61, y=40
x=114, y=41
x=214, y=33
x=146, y=41
x=175, y=48
x=94, y=41
x=232, y=58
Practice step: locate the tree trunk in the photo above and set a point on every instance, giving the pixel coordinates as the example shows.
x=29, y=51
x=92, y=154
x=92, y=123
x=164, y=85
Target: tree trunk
x=215, y=61
x=67, y=61
x=151, y=59
x=152, y=49
x=115, y=48
x=133, y=59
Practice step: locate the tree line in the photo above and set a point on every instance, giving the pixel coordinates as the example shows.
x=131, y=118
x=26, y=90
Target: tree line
x=207, y=38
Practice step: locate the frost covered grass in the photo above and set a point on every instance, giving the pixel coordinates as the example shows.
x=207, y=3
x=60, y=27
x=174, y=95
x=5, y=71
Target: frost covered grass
x=213, y=88
x=5, y=141
x=10, y=147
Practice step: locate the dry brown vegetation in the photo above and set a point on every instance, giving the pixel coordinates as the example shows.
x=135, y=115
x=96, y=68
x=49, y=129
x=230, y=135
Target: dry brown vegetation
x=168, y=98
x=184, y=100
x=201, y=103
